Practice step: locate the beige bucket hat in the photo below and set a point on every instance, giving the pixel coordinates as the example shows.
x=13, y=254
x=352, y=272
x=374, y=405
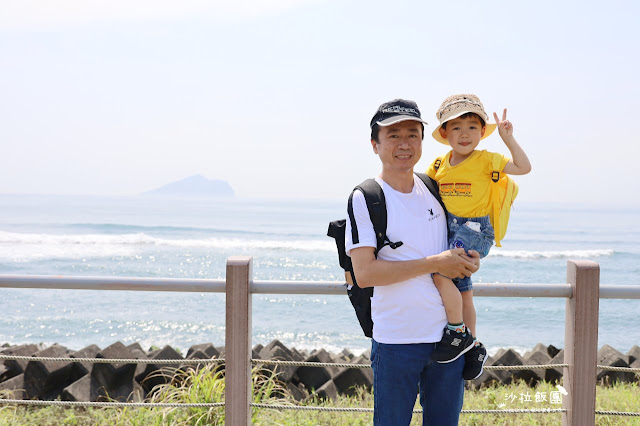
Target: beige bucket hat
x=457, y=105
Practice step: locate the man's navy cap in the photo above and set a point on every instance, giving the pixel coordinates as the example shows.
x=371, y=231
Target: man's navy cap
x=396, y=111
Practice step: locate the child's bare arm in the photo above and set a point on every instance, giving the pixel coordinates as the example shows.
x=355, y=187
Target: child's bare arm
x=519, y=163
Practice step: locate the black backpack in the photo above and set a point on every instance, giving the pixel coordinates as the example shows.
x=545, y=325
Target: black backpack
x=361, y=297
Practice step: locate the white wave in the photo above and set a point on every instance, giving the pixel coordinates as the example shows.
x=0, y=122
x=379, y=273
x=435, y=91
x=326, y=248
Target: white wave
x=550, y=254
x=492, y=350
x=21, y=247
x=64, y=239
x=21, y=254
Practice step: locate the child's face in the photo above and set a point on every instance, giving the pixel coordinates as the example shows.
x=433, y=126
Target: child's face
x=463, y=134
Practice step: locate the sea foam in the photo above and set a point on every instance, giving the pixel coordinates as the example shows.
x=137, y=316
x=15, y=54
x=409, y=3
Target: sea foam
x=21, y=247
x=550, y=254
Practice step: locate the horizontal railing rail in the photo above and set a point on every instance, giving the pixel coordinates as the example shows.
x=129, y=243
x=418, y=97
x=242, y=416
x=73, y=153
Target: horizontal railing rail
x=62, y=282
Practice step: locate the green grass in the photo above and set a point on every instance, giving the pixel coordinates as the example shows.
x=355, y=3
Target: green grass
x=207, y=385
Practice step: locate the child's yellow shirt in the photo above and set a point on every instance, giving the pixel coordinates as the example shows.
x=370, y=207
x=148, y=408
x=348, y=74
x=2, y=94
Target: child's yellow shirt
x=465, y=188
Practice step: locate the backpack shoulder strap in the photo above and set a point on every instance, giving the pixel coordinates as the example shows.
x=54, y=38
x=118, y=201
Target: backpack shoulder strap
x=376, y=204
x=438, y=162
x=495, y=166
x=432, y=186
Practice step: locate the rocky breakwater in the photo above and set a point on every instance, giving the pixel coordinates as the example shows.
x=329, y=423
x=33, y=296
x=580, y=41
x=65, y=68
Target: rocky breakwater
x=83, y=381
x=545, y=355
x=87, y=381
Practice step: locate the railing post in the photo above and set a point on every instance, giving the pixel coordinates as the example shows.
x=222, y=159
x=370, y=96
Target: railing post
x=581, y=343
x=238, y=341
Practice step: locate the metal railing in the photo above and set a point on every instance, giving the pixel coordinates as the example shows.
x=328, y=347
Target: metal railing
x=582, y=292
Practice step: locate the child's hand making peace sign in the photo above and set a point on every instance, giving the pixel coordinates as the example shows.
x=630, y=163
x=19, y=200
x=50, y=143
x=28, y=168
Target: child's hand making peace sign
x=505, y=128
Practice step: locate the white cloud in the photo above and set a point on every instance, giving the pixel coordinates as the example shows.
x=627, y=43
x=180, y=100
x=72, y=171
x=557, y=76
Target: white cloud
x=41, y=14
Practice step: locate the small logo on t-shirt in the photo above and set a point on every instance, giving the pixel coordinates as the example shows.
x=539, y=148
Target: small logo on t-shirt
x=432, y=216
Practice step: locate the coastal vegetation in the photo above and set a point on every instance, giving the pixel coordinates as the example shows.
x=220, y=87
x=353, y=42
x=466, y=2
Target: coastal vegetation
x=207, y=385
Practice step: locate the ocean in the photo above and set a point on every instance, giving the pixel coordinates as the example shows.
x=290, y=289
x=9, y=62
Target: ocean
x=152, y=237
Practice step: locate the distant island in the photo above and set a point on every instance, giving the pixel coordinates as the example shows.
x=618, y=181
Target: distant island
x=196, y=186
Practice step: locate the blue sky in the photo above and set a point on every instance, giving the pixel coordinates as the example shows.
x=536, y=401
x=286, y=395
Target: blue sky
x=119, y=97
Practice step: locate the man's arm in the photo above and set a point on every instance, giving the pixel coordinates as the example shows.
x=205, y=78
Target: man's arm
x=375, y=272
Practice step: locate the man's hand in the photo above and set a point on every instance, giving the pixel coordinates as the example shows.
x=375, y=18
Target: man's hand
x=457, y=264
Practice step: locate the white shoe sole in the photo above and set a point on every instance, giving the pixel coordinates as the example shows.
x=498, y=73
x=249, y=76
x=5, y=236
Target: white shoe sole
x=481, y=369
x=467, y=349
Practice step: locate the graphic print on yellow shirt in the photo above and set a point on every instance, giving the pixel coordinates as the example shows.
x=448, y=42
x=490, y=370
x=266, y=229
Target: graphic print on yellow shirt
x=465, y=188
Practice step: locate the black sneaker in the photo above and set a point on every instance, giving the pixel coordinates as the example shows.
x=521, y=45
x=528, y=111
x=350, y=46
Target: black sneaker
x=474, y=362
x=452, y=345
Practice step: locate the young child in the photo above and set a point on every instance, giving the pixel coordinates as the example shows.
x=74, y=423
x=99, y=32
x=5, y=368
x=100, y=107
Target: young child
x=464, y=177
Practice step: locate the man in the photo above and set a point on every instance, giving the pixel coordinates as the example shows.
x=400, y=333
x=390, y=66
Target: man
x=406, y=308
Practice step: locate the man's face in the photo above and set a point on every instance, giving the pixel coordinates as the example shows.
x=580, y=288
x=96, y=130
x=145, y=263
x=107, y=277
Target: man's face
x=463, y=134
x=399, y=145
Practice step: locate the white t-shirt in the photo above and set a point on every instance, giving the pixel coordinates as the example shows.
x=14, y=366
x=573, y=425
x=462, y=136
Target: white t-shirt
x=409, y=311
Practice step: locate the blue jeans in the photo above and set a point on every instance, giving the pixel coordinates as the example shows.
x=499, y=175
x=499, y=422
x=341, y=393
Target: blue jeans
x=400, y=371
x=461, y=236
